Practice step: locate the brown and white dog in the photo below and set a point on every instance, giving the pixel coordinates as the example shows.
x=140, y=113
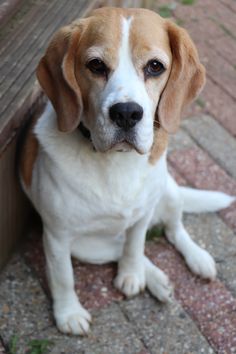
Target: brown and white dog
x=94, y=163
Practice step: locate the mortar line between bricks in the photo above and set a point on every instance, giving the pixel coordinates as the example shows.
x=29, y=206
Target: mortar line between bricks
x=135, y=331
x=207, y=152
x=207, y=111
x=221, y=87
x=219, y=54
x=228, y=6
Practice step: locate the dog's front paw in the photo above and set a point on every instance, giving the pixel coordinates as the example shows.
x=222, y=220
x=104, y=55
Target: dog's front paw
x=130, y=279
x=201, y=263
x=73, y=320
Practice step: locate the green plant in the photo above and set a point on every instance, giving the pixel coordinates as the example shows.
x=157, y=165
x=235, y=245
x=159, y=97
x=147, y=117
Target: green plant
x=35, y=346
x=155, y=233
x=13, y=344
x=166, y=10
x=187, y=2
x=200, y=102
x=39, y=346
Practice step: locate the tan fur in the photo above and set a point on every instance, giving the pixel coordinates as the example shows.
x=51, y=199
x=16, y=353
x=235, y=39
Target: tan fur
x=55, y=73
x=186, y=79
x=29, y=153
x=160, y=144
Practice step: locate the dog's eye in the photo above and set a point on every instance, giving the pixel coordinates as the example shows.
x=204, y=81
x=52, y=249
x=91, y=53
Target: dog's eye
x=154, y=68
x=98, y=67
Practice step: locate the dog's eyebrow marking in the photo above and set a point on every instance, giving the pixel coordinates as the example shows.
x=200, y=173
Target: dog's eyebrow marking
x=160, y=55
x=94, y=52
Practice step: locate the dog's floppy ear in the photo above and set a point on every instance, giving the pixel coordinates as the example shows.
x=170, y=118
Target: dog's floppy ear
x=56, y=75
x=187, y=77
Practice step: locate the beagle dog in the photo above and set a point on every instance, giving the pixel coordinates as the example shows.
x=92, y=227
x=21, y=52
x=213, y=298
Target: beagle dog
x=94, y=163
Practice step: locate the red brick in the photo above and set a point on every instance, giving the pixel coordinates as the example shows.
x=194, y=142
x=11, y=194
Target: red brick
x=220, y=105
x=175, y=174
x=202, y=172
x=223, y=15
x=196, y=21
x=230, y=4
x=225, y=47
x=209, y=304
x=218, y=68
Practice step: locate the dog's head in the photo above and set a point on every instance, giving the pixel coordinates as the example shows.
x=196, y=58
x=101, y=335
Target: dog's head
x=121, y=71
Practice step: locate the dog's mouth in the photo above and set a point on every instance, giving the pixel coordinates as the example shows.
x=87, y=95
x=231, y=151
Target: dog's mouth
x=126, y=145
x=122, y=142
x=123, y=146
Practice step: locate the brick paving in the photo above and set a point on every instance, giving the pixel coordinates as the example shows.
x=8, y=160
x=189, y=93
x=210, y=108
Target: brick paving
x=202, y=319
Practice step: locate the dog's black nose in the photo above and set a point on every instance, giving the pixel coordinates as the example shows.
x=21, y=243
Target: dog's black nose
x=126, y=115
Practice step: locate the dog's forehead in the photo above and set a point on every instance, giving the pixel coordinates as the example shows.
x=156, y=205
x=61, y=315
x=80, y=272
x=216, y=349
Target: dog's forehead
x=146, y=30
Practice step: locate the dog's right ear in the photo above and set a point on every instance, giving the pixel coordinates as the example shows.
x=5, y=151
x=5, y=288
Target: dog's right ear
x=56, y=75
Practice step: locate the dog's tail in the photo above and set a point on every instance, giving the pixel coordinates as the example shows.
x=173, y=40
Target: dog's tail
x=200, y=201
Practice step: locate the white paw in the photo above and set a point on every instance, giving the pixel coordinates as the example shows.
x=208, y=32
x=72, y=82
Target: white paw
x=73, y=320
x=201, y=263
x=129, y=284
x=158, y=284
x=130, y=279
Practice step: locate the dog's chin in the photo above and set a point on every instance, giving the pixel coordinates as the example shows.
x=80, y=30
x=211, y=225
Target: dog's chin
x=125, y=146
x=121, y=143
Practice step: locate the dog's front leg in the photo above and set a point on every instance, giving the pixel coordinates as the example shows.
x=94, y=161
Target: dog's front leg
x=69, y=314
x=130, y=279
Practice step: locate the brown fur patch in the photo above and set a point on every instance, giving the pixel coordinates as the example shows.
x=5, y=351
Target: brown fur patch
x=159, y=146
x=29, y=152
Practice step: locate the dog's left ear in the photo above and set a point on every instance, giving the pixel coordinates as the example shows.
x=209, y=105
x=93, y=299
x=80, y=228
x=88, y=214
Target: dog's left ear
x=56, y=75
x=186, y=79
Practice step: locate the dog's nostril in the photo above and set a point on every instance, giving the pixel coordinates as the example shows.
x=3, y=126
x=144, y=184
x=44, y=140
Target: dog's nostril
x=137, y=115
x=126, y=115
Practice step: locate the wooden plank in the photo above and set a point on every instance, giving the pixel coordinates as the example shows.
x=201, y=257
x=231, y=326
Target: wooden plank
x=30, y=61
x=20, y=27
x=13, y=205
x=20, y=58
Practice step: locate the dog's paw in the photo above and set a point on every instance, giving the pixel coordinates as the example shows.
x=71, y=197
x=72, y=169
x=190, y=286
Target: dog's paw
x=129, y=284
x=159, y=285
x=130, y=279
x=73, y=320
x=201, y=263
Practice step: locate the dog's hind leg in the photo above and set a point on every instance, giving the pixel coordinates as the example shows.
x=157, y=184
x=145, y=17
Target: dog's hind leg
x=198, y=260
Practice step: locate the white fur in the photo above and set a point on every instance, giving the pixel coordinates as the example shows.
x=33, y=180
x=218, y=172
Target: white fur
x=98, y=206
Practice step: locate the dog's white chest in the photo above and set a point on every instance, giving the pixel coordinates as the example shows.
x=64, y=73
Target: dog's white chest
x=106, y=193
x=100, y=194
